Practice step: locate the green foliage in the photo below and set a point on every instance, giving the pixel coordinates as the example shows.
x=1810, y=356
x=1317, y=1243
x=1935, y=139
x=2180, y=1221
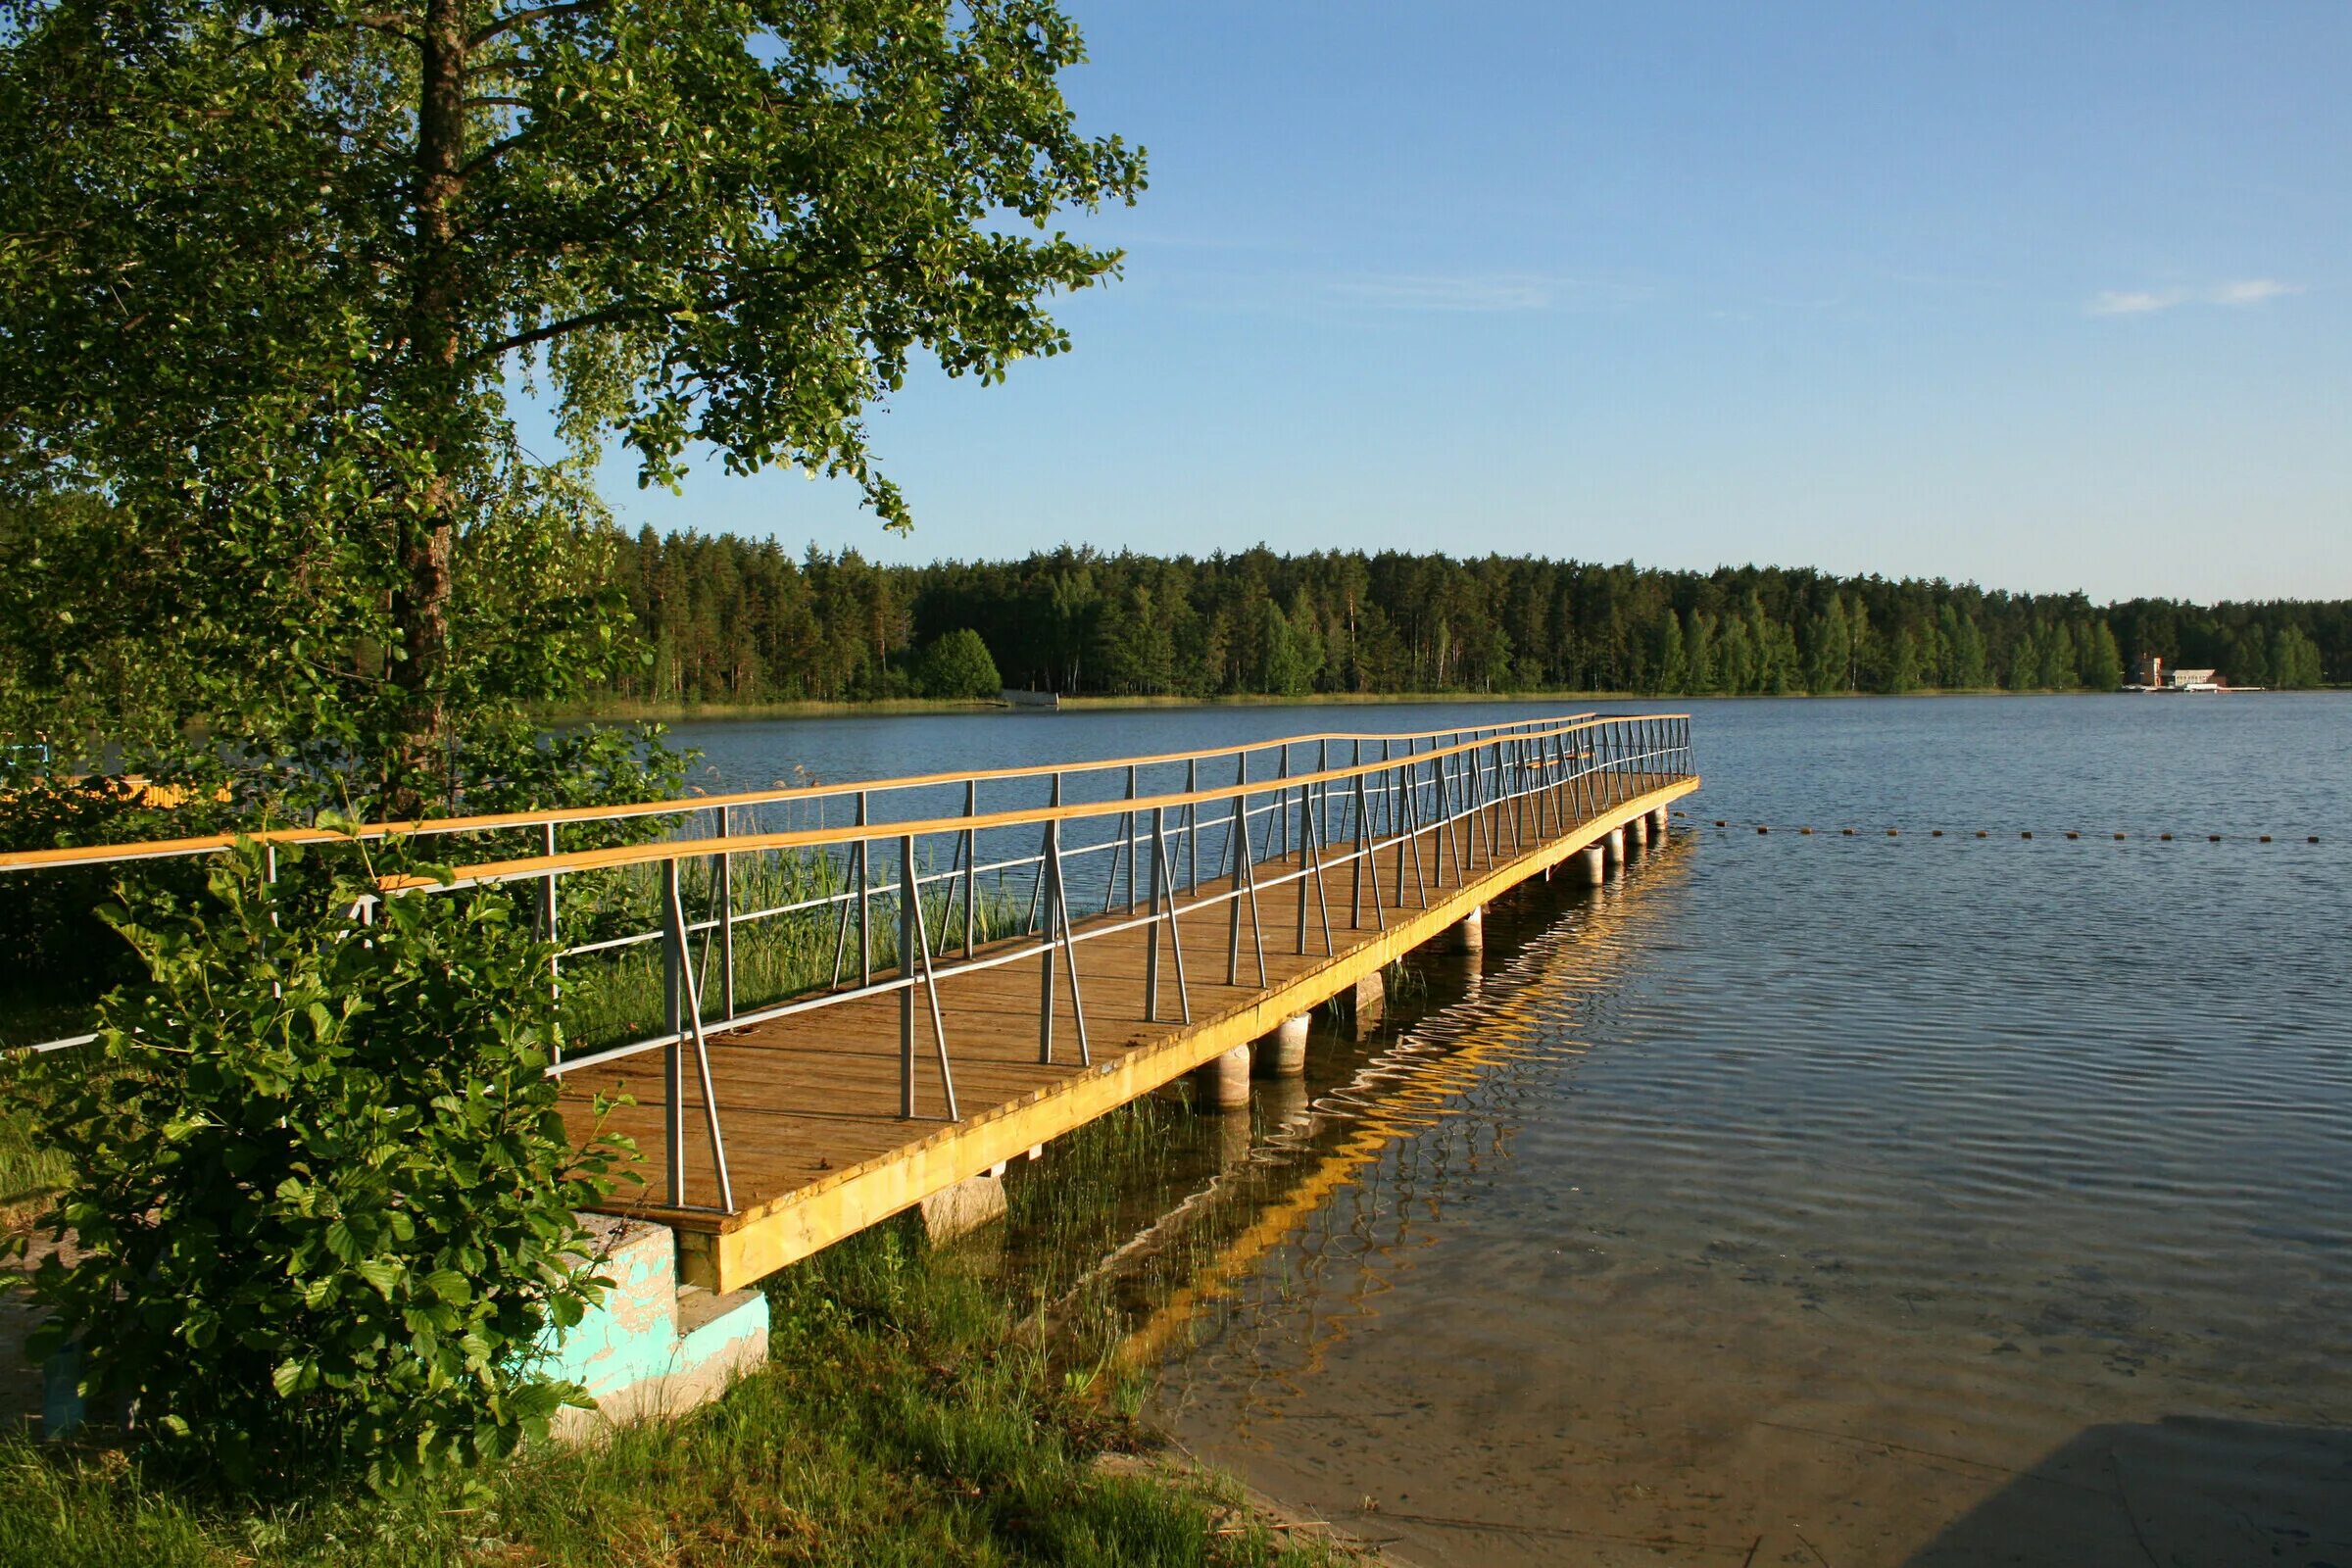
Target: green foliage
x=268, y=275
x=322, y=1192
x=2294, y=659
x=745, y=620
x=958, y=666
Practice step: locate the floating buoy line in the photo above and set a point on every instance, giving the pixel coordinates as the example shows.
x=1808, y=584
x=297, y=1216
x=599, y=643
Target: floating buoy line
x=1766, y=828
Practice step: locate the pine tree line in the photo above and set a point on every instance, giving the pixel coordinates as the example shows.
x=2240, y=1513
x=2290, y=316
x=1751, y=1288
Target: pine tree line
x=733, y=619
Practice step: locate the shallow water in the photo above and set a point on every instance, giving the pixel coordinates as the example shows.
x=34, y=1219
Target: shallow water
x=1869, y=1200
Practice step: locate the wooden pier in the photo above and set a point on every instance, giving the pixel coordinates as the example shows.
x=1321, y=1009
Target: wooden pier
x=814, y=1142
x=1261, y=882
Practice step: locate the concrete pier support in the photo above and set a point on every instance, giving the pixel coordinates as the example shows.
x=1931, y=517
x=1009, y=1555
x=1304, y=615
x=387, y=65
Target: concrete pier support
x=653, y=1347
x=1469, y=935
x=1369, y=1002
x=1658, y=824
x=1224, y=1084
x=1588, y=866
x=1612, y=850
x=1282, y=1054
x=964, y=1208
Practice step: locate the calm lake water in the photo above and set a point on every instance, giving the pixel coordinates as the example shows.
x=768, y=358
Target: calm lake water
x=1802, y=1199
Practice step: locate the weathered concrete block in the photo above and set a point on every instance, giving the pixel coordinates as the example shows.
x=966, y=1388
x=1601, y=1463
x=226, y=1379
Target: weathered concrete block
x=1282, y=1054
x=1224, y=1084
x=964, y=1208
x=1587, y=867
x=1612, y=850
x=1367, y=1003
x=651, y=1349
x=1468, y=934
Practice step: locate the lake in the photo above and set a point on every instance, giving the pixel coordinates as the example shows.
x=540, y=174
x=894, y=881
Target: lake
x=1801, y=1199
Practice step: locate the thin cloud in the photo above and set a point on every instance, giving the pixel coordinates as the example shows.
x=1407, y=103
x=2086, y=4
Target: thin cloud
x=1437, y=292
x=1473, y=292
x=2136, y=302
x=2238, y=292
x=2252, y=291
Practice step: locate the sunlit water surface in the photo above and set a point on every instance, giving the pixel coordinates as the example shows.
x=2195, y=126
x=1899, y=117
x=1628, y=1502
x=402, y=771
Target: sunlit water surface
x=1803, y=1198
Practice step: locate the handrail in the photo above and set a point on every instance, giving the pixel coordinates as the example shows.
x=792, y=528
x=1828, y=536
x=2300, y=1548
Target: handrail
x=493, y=871
x=494, y=822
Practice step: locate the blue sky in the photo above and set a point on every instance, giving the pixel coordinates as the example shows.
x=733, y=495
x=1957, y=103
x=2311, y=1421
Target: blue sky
x=2046, y=296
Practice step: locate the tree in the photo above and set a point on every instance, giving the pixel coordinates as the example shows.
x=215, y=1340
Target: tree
x=1830, y=649
x=268, y=276
x=1288, y=660
x=958, y=666
x=1670, y=666
x=2294, y=659
x=1902, y=675
x=2102, y=661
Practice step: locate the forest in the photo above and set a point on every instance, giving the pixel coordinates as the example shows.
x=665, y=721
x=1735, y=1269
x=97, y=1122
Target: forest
x=727, y=619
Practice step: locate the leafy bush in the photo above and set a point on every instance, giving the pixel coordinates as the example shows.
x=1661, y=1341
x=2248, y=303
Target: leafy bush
x=321, y=1188
x=958, y=666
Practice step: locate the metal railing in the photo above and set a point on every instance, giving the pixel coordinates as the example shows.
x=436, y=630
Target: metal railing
x=1069, y=854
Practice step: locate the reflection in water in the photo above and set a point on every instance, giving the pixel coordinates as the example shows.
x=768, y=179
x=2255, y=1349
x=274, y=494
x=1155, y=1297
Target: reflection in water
x=1448, y=1082
x=1802, y=1199
x=1575, y=1268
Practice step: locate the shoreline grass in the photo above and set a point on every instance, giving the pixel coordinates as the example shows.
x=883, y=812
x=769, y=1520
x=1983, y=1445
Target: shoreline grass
x=919, y=1406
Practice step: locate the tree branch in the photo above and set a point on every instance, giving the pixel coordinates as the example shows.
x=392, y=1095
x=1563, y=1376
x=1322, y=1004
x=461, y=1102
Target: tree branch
x=495, y=151
x=519, y=18
x=609, y=315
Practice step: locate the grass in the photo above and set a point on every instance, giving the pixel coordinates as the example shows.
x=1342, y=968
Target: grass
x=29, y=1173
x=617, y=996
x=917, y=1409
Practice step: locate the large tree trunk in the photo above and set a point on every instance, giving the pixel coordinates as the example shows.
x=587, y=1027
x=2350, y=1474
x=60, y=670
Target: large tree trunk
x=418, y=763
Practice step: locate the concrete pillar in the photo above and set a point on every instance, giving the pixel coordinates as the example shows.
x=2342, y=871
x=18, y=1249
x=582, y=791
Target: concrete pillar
x=1470, y=934
x=653, y=1347
x=1224, y=1084
x=1282, y=1054
x=1637, y=834
x=1612, y=850
x=1587, y=867
x=964, y=1208
x=1369, y=1002
x=1658, y=824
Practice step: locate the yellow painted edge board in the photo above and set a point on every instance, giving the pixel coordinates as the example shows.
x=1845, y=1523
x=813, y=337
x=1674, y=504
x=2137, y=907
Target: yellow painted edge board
x=809, y=1218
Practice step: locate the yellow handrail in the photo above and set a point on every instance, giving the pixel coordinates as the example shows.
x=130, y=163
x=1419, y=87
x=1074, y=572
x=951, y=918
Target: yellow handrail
x=812, y=838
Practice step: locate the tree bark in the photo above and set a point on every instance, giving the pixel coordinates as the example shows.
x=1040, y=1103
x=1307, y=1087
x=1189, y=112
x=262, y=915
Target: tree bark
x=420, y=743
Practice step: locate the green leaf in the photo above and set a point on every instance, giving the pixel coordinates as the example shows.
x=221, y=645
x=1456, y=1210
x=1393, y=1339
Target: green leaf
x=382, y=1273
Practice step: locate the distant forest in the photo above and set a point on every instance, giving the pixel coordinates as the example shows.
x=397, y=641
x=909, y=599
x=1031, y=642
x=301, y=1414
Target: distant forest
x=728, y=620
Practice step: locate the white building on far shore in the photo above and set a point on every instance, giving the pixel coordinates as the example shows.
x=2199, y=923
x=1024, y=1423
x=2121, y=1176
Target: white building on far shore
x=2154, y=677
